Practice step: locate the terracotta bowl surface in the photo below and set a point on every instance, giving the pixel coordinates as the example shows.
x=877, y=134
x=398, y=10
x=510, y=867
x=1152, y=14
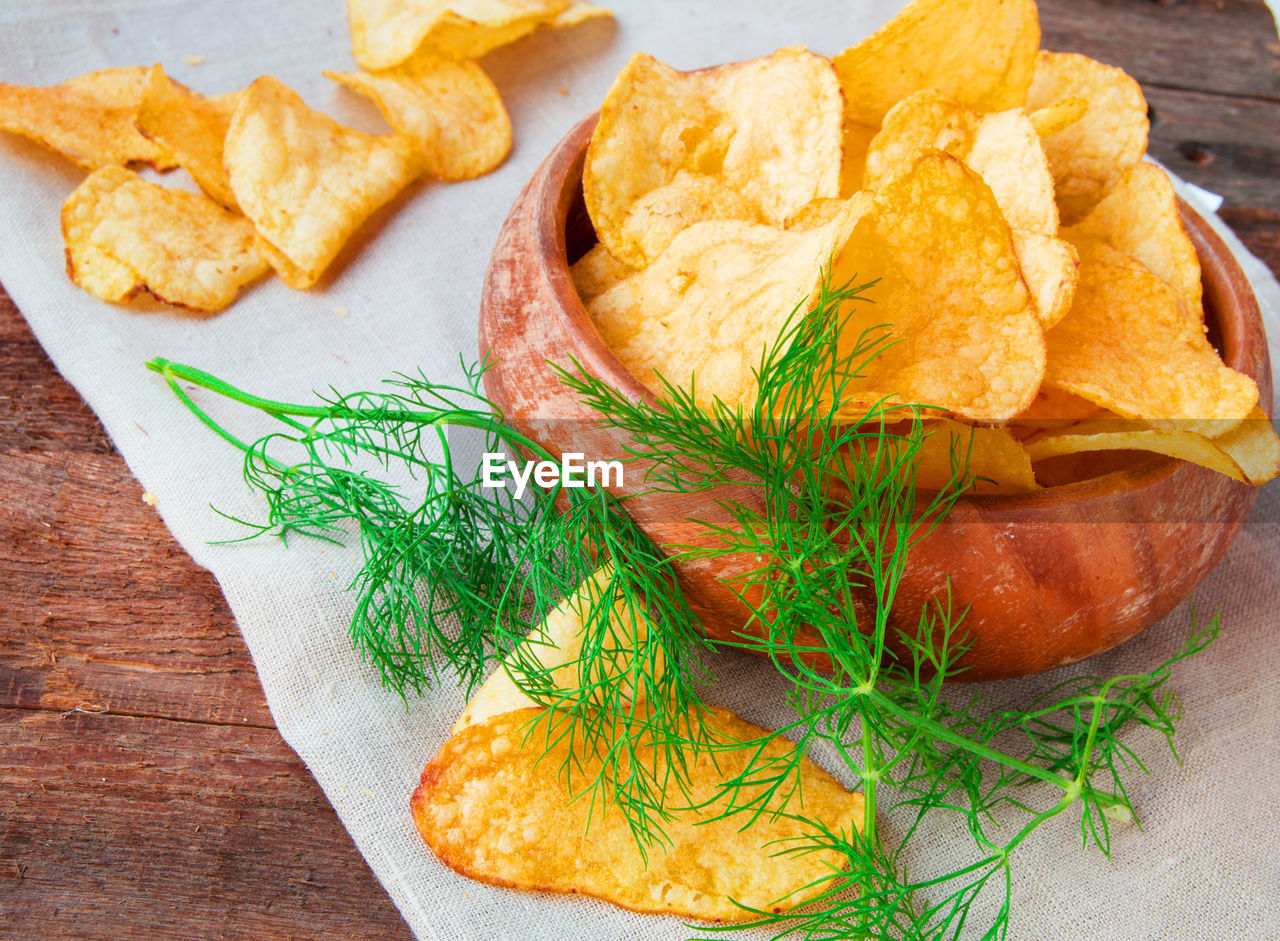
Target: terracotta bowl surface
x=1050, y=577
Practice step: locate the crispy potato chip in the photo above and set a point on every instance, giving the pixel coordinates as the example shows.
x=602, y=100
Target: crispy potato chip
x=1052, y=409
x=1128, y=346
x=968, y=338
x=767, y=133
x=996, y=461
x=305, y=181
x=1002, y=148
x=494, y=807
x=1050, y=267
x=191, y=127
x=462, y=38
x=1139, y=216
x=1058, y=116
x=556, y=644
x=385, y=33
x=448, y=106
x=1254, y=446
x=596, y=272
x=1089, y=155
x=88, y=119
x=124, y=235
x=1121, y=435
x=713, y=301
x=657, y=216
x=981, y=53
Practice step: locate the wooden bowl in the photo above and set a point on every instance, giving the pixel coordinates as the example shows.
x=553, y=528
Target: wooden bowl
x=1050, y=577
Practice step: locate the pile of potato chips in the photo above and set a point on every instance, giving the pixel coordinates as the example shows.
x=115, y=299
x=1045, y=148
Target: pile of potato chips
x=1033, y=270
x=494, y=803
x=284, y=186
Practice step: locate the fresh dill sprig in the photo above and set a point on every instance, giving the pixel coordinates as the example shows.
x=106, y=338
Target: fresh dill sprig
x=838, y=515
x=455, y=577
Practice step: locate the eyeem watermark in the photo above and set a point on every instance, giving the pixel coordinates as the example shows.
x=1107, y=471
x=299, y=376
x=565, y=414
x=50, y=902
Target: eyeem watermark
x=573, y=471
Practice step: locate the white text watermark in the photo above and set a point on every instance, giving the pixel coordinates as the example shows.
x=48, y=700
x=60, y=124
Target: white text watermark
x=572, y=471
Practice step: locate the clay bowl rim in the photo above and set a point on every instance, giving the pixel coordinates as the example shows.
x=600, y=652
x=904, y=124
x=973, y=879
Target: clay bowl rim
x=1242, y=340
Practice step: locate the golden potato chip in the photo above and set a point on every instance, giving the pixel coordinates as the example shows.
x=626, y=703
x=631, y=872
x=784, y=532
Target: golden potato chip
x=449, y=107
x=657, y=216
x=766, y=131
x=1128, y=346
x=981, y=53
x=713, y=301
x=1002, y=148
x=821, y=211
x=1058, y=116
x=968, y=338
x=856, y=141
x=1052, y=409
x=1139, y=216
x=88, y=119
x=1254, y=446
x=556, y=644
x=1120, y=435
x=385, y=33
x=1050, y=267
x=996, y=461
x=191, y=127
x=1089, y=155
x=464, y=38
x=596, y=272
x=124, y=235
x=494, y=807
x=305, y=181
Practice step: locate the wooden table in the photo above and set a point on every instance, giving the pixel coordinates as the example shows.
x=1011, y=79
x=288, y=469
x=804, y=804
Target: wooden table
x=144, y=790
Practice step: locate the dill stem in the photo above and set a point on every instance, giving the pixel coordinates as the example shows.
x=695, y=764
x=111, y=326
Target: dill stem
x=941, y=733
x=468, y=418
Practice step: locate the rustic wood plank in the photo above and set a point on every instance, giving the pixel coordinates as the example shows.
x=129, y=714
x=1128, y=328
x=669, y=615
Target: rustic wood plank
x=1260, y=232
x=1224, y=46
x=120, y=827
x=1228, y=145
x=104, y=607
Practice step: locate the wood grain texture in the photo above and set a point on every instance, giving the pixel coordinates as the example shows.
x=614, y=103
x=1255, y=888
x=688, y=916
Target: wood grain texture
x=206, y=824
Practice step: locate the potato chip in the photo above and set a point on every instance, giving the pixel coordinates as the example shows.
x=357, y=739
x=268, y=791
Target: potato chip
x=1053, y=409
x=1254, y=446
x=385, y=33
x=1050, y=267
x=191, y=127
x=125, y=235
x=596, y=272
x=968, y=338
x=1112, y=435
x=1089, y=155
x=88, y=119
x=713, y=301
x=463, y=38
x=305, y=181
x=1139, y=216
x=767, y=133
x=556, y=644
x=1058, y=116
x=995, y=460
x=494, y=807
x=1002, y=148
x=1128, y=346
x=657, y=216
x=981, y=53
x=449, y=107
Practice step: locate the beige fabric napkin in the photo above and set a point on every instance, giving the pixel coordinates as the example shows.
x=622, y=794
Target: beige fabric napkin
x=1204, y=865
